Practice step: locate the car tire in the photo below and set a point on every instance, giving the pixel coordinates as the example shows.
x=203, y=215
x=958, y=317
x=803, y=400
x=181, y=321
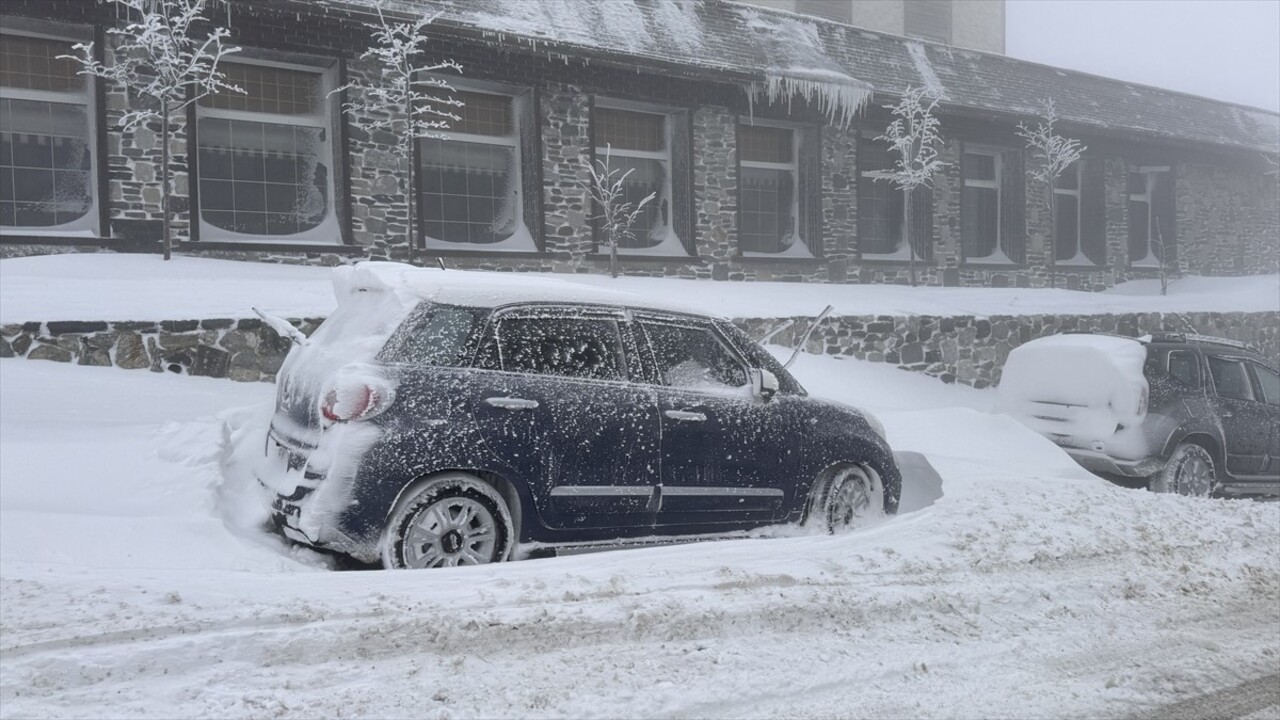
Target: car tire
x=447, y=521
x=847, y=499
x=1190, y=471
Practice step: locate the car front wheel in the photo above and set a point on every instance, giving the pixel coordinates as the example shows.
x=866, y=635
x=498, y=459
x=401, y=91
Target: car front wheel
x=445, y=522
x=1190, y=471
x=848, y=499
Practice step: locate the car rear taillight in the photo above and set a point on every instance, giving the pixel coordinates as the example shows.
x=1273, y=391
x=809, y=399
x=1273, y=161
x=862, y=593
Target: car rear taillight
x=351, y=400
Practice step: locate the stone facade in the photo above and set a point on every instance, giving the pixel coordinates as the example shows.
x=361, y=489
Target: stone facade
x=965, y=349
x=1228, y=216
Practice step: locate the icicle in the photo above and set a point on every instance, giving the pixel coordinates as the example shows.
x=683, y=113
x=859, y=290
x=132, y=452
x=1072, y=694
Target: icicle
x=839, y=101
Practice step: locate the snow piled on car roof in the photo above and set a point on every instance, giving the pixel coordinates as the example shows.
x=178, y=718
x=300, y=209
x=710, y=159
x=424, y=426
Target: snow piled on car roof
x=483, y=289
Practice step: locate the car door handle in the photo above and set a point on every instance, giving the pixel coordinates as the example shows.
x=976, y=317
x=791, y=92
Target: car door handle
x=685, y=415
x=512, y=403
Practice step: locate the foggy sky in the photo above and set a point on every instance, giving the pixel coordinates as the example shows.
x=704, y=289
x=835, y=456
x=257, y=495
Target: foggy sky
x=1224, y=49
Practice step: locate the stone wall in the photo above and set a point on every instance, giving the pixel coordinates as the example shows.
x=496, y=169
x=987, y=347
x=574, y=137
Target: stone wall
x=972, y=350
x=965, y=349
x=244, y=349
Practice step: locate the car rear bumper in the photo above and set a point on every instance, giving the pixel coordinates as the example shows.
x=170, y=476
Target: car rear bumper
x=1099, y=462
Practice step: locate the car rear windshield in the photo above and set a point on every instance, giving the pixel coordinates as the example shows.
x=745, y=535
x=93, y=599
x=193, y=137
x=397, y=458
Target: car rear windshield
x=439, y=335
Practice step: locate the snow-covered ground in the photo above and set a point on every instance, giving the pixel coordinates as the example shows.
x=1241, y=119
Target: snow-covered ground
x=144, y=287
x=131, y=585
x=136, y=581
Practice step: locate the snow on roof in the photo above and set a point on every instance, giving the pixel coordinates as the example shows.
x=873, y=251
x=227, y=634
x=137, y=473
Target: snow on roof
x=776, y=54
x=485, y=289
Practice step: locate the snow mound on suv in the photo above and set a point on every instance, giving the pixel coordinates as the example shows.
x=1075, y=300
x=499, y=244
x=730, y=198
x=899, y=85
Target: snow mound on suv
x=1080, y=390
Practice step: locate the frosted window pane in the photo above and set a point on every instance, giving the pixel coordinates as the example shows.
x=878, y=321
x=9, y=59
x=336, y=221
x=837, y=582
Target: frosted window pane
x=260, y=178
x=647, y=176
x=45, y=162
x=980, y=219
x=467, y=190
x=766, y=199
x=1067, y=234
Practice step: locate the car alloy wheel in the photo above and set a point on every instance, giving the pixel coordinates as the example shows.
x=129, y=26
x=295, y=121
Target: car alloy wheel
x=848, y=500
x=1190, y=471
x=447, y=523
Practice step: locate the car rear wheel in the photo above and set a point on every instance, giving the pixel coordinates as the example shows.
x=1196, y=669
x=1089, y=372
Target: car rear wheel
x=445, y=522
x=1190, y=471
x=848, y=499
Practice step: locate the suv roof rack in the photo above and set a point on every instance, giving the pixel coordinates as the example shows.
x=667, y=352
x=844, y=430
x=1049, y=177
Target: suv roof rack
x=1192, y=337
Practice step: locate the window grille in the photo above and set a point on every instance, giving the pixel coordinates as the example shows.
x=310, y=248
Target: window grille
x=46, y=147
x=469, y=182
x=265, y=156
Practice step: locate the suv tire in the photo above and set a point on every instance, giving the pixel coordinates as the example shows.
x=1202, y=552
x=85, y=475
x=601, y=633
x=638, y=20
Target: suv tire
x=452, y=520
x=848, y=499
x=1190, y=471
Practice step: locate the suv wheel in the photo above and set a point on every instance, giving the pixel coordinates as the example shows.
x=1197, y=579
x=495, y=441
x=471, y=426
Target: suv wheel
x=1190, y=471
x=446, y=522
x=847, y=500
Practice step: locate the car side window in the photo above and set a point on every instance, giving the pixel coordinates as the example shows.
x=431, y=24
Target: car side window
x=576, y=347
x=1183, y=365
x=433, y=335
x=1269, y=381
x=693, y=357
x=1230, y=378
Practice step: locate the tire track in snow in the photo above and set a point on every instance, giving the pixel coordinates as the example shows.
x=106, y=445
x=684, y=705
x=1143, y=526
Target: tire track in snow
x=1238, y=701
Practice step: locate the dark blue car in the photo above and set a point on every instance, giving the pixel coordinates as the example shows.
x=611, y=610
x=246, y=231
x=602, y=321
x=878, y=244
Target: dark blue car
x=449, y=418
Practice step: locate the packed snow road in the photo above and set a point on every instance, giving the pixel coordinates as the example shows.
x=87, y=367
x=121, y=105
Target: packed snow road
x=134, y=582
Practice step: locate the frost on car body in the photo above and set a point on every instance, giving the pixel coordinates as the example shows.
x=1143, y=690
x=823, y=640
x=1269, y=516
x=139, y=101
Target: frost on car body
x=441, y=418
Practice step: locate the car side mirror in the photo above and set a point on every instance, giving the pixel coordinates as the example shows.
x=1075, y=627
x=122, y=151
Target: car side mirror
x=764, y=384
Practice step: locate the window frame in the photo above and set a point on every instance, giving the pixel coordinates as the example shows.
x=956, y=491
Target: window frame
x=484, y=358
x=800, y=247
x=92, y=223
x=654, y=374
x=1195, y=362
x=903, y=253
x=332, y=228
x=524, y=238
x=1149, y=172
x=998, y=255
x=663, y=248
x=1243, y=362
x=1080, y=258
x=1256, y=369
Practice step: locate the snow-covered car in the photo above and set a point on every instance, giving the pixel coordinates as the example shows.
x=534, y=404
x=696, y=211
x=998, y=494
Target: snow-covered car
x=1190, y=414
x=441, y=418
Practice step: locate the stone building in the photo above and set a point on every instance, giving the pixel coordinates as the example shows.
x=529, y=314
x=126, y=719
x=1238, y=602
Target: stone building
x=754, y=129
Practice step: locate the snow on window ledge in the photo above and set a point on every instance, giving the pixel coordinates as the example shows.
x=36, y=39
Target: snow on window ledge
x=797, y=250
x=326, y=233
x=521, y=241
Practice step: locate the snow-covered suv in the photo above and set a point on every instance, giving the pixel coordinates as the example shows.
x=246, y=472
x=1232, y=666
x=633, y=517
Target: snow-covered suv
x=441, y=418
x=1190, y=414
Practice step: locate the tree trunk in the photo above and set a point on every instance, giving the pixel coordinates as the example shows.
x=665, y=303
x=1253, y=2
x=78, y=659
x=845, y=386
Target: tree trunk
x=412, y=201
x=1053, y=237
x=906, y=235
x=164, y=182
x=613, y=256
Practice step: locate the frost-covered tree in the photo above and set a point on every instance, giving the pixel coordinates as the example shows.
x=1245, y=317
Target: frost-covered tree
x=164, y=55
x=1053, y=154
x=915, y=145
x=616, y=215
x=407, y=100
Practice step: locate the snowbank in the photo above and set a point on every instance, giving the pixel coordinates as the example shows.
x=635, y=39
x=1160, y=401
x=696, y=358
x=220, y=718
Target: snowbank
x=143, y=287
x=1028, y=589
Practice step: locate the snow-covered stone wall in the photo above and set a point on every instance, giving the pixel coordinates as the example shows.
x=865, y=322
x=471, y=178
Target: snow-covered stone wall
x=965, y=349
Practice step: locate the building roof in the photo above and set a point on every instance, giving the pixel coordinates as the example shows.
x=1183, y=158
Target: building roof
x=774, y=53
